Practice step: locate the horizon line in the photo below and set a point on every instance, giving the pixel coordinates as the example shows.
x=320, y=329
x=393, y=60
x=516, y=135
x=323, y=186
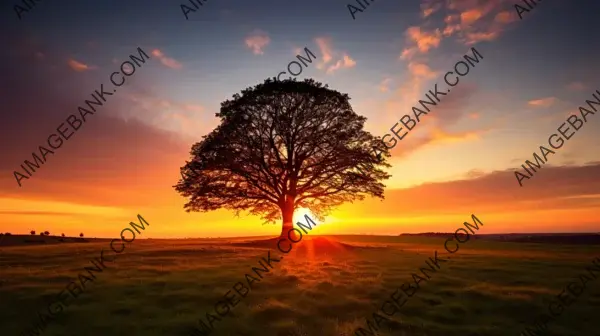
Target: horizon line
x=352, y=234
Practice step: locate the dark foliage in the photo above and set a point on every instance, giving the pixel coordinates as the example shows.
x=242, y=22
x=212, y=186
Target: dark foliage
x=282, y=145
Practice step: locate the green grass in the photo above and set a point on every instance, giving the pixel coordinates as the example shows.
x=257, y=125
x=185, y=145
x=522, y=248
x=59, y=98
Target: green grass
x=162, y=287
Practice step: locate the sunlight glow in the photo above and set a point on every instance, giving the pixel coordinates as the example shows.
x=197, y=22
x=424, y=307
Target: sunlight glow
x=322, y=226
x=299, y=215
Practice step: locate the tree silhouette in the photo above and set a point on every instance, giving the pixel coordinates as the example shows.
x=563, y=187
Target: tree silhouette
x=282, y=145
x=41, y=233
x=81, y=235
x=62, y=235
x=46, y=233
x=32, y=232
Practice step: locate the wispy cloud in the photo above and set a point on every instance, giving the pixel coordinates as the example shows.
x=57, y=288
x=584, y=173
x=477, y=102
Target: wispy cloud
x=328, y=54
x=420, y=41
x=555, y=188
x=162, y=112
x=257, y=41
x=441, y=136
x=470, y=21
x=345, y=63
x=166, y=61
x=421, y=70
x=543, y=102
x=325, y=48
x=470, y=16
x=429, y=7
x=506, y=17
x=78, y=66
x=384, y=86
x=436, y=127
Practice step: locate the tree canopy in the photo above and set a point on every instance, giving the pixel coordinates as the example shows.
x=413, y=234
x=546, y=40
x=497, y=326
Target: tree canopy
x=282, y=145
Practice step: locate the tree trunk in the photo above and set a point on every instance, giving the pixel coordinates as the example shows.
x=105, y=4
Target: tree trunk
x=288, y=223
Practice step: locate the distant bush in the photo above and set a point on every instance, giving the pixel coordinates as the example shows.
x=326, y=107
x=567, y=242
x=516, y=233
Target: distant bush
x=41, y=233
x=63, y=235
x=8, y=234
x=81, y=235
x=32, y=232
x=46, y=233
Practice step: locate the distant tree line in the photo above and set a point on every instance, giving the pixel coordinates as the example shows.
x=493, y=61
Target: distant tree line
x=32, y=232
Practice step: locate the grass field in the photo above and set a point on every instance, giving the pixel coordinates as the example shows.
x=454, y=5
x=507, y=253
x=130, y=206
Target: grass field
x=162, y=287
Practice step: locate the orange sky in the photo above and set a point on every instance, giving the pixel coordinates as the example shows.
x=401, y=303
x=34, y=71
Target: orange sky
x=560, y=200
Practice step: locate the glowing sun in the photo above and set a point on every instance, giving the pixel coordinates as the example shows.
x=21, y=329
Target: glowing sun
x=299, y=215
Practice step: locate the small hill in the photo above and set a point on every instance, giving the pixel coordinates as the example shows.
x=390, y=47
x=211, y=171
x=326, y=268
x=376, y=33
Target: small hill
x=318, y=245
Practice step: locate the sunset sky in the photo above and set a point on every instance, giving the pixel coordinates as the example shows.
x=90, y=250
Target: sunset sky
x=459, y=160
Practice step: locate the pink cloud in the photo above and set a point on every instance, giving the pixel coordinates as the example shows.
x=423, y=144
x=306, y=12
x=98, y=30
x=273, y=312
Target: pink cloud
x=424, y=40
x=345, y=63
x=257, y=41
x=472, y=38
x=543, y=102
x=421, y=70
x=78, y=66
x=474, y=21
x=506, y=17
x=430, y=7
x=166, y=61
x=470, y=16
x=328, y=54
x=325, y=48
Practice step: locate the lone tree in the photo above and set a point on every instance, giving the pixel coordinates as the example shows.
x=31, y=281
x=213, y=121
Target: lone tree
x=282, y=145
x=46, y=233
x=32, y=232
x=81, y=235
